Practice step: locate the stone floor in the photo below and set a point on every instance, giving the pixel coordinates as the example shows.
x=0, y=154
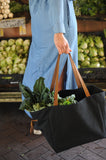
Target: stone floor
x=17, y=144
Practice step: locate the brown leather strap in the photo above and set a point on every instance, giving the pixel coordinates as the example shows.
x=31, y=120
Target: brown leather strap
x=79, y=78
x=31, y=126
x=62, y=78
x=54, y=78
x=77, y=75
x=56, y=86
x=54, y=75
x=74, y=71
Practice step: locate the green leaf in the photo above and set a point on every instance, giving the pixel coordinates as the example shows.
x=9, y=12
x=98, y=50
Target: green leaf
x=39, y=85
x=26, y=104
x=45, y=98
x=67, y=103
x=67, y=100
x=25, y=91
x=37, y=107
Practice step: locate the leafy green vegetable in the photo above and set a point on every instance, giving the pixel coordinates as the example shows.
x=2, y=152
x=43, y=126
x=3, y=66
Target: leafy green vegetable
x=11, y=42
x=90, y=8
x=15, y=51
x=95, y=65
x=1, y=48
x=95, y=59
x=27, y=93
x=41, y=97
x=86, y=51
x=87, y=58
x=39, y=85
x=81, y=57
x=26, y=104
x=19, y=42
x=68, y=100
x=93, y=53
x=101, y=52
x=16, y=7
x=3, y=43
x=85, y=63
x=37, y=107
x=83, y=45
x=98, y=42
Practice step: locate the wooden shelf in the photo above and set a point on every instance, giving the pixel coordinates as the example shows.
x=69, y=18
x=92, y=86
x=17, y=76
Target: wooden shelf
x=83, y=26
x=91, y=25
x=10, y=97
x=14, y=32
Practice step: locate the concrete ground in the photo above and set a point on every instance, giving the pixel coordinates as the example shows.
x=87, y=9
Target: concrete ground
x=17, y=144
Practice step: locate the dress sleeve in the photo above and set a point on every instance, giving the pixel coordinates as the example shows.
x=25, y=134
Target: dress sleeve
x=56, y=13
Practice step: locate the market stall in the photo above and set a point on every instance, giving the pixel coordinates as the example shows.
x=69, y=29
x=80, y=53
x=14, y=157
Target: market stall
x=15, y=39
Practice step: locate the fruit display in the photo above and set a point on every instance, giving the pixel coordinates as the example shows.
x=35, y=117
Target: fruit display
x=13, y=55
x=90, y=51
x=5, y=11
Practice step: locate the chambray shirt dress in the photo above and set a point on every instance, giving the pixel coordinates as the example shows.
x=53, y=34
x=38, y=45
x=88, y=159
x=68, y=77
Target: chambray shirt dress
x=47, y=18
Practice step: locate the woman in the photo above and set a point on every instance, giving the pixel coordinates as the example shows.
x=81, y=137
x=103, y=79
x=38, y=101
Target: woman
x=54, y=31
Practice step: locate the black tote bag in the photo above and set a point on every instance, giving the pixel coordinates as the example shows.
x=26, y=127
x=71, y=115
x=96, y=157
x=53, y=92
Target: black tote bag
x=68, y=126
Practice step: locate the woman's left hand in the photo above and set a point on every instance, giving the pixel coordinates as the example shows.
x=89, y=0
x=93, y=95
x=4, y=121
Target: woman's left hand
x=61, y=43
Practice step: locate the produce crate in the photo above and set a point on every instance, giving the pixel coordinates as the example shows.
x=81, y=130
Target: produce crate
x=10, y=79
x=93, y=74
x=10, y=83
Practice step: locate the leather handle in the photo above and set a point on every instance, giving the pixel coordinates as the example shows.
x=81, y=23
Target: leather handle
x=31, y=125
x=54, y=75
x=78, y=78
x=54, y=83
x=74, y=68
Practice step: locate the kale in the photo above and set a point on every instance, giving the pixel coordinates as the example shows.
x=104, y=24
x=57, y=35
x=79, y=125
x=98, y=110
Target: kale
x=41, y=97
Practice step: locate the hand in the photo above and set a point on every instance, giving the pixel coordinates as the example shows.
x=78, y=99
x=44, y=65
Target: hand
x=61, y=43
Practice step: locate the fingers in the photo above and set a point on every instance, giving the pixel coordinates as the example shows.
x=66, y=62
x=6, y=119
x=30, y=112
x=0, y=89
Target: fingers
x=61, y=44
x=67, y=49
x=60, y=51
x=64, y=49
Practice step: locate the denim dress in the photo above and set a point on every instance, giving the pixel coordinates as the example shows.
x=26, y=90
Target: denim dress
x=47, y=18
